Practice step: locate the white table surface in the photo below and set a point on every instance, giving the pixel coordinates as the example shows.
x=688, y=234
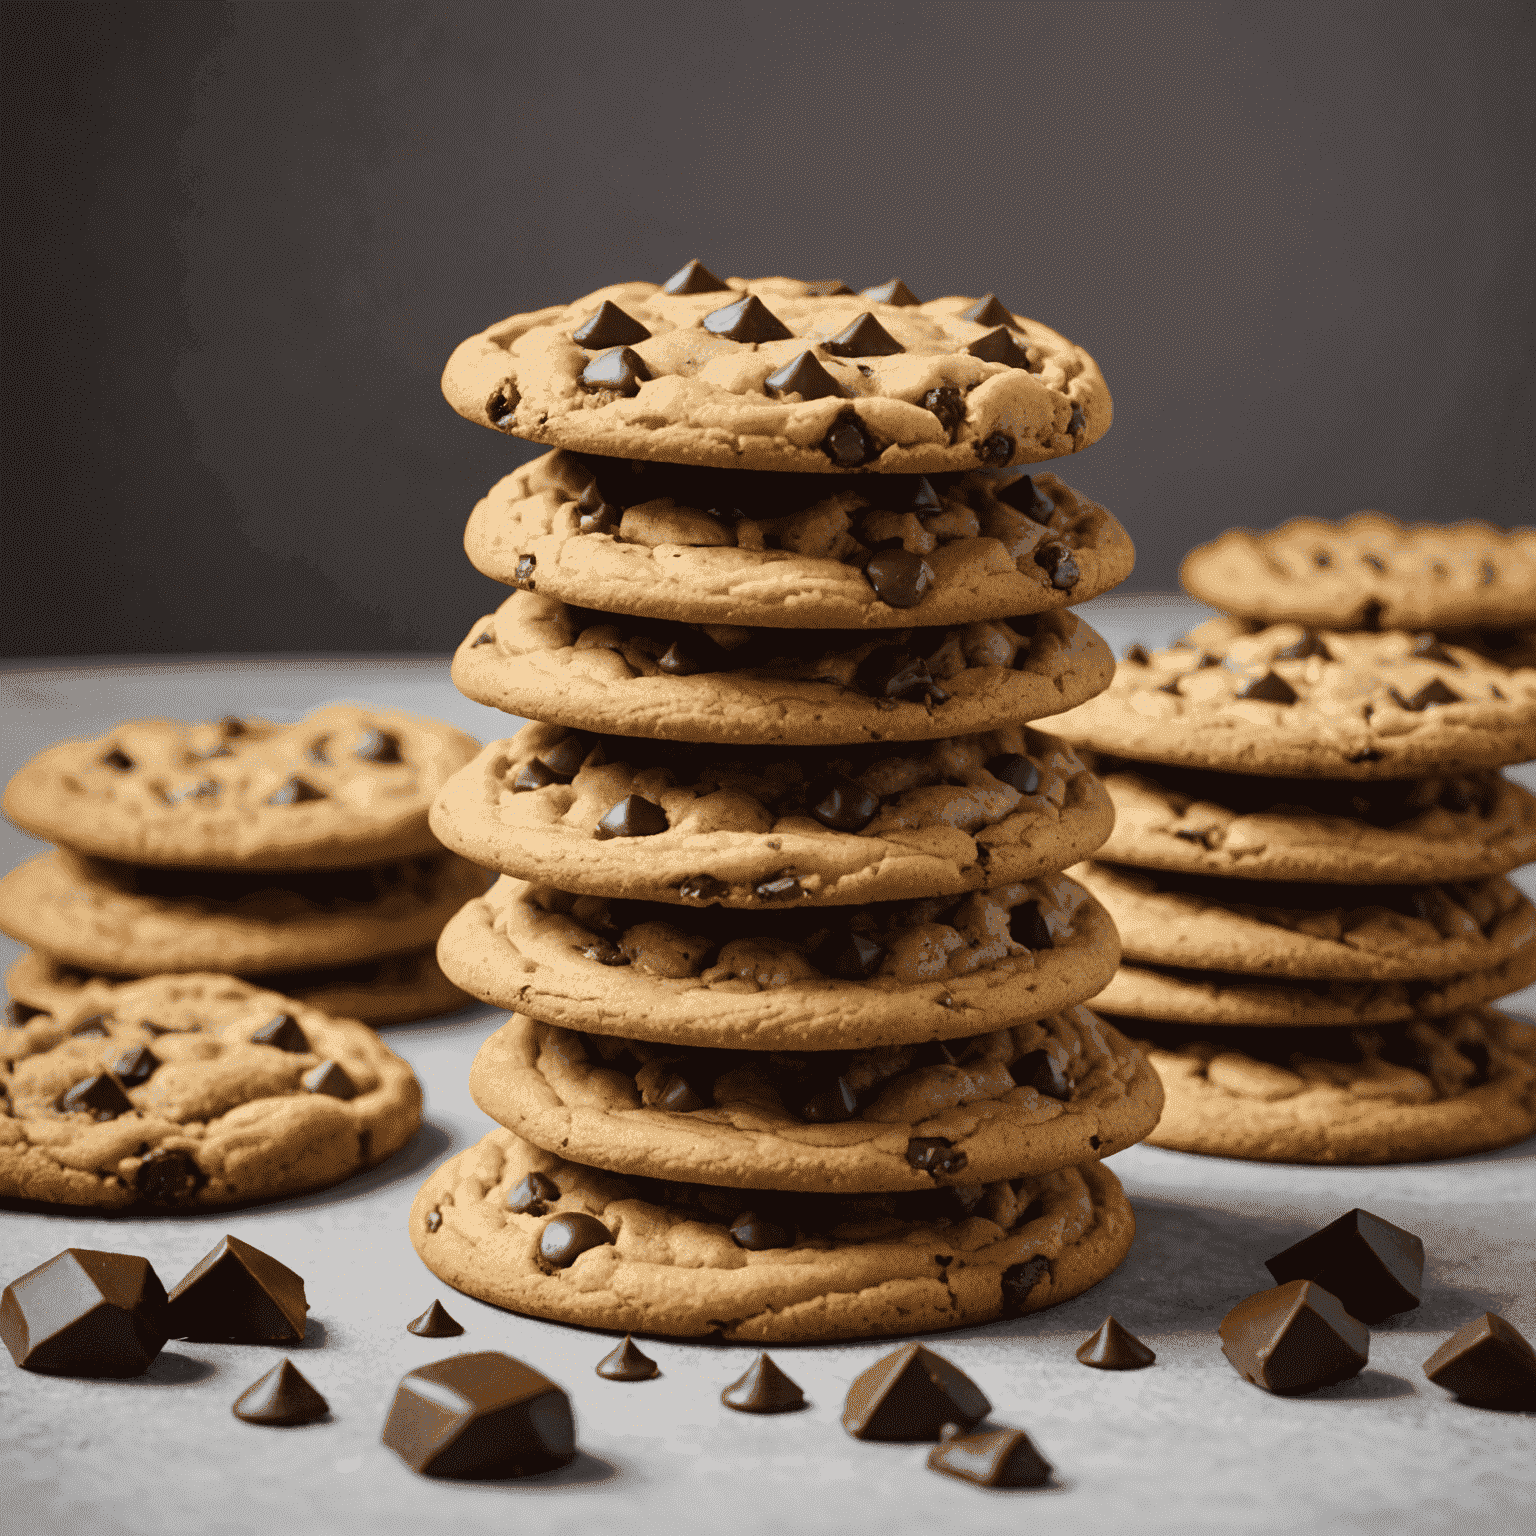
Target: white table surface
x=1186, y=1446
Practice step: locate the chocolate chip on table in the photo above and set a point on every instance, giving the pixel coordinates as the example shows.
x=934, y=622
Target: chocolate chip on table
x=702, y=888
x=757, y=1235
x=1269, y=689
x=566, y=1237
x=1294, y=1339
x=1029, y=927
x=841, y=804
x=996, y=449
x=911, y=1395
x=987, y=310
x=849, y=957
x=435, y=1323
x=866, y=337
x=1060, y=564
x=893, y=291
x=831, y=1106
x=633, y=816
x=1023, y=495
x=533, y=775
x=330, y=1079
x=1114, y=1348
x=295, y=792
x=532, y=1194
x=626, y=1363
x=1077, y=422
x=85, y=1313
x=1019, y=1280
x=1433, y=692
x=136, y=1066
x=92, y=1028
x=1016, y=771
x=168, y=1176
x=783, y=886
x=238, y=1293
x=480, y=1416
x=947, y=403
x=764, y=1389
x=999, y=346
x=747, y=320
x=935, y=1154
x=1042, y=1072
x=282, y=1396
x=892, y=673
x=118, y=759
x=848, y=442
x=1374, y=1268
x=608, y=326
x=900, y=578
x=993, y=1458
x=100, y=1095
x=1488, y=1363
x=827, y=288
x=806, y=377
x=620, y=369
x=694, y=277
x=282, y=1031
x=376, y=746
x=1311, y=644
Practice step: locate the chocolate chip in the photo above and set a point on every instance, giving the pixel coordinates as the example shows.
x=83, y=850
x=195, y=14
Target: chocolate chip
x=894, y=291
x=999, y=346
x=924, y=500
x=594, y=514
x=702, y=888
x=500, y=407
x=996, y=1458
x=1029, y=927
x=329, y=1079
x=866, y=337
x=1023, y=495
x=236, y=1292
x=826, y=288
x=841, y=804
x=848, y=443
x=85, y=1313
x=100, y=1095
x=621, y=370
x=434, y=1220
x=609, y=326
x=783, y=886
x=282, y=1031
x=855, y=957
x=93, y=1028
x=533, y=1194
x=805, y=377
x=565, y=1238
x=232, y=725
x=1269, y=689
x=832, y=1106
x=1433, y=692
x=1294, y=1339
x=633, y=816
x=626, y=1363
x=1311, y=644
x=202, y=789
x=1428, y=648
x=1370, y=615
x=911, y=1395
x=900, y=578
x=694, y=277
x=1077, y=422
x=375, y=746
x=1487, y=1362
x=987, y=310
x=1041, y=1071
x=1114, y=1348
x=1020, y=1279
x=764, y=1389
x=295, y=792
x=678, y=1096
x=1374, y=1268
x=533, y=775
x=1172, y=688
x=1018, y=772
x=117, y=759
x=599, y=949
x=996, y=449
x=747, y=320
x=486, y=636
x=565, y=758
x=136, y=1066
x=752, y=1232
x=947, y=403
x=282, y=1396
x=17, y=1013
x=169, y=1176
x=1137, y=655
x=435, y=1323
x=889, y=672
x=1060, y=564
x=936, y=1155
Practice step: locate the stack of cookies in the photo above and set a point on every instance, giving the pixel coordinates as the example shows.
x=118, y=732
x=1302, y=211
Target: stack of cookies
x=799, y=1050
x=297, y=855
x=1308, y=866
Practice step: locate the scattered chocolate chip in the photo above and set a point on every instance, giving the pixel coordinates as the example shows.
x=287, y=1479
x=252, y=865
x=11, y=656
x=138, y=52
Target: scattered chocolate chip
x=1311, y=644
x=995, y=449
x=480, y=1416
x=1077, y=422
x=1433, y=692
x=533, y=1194
x=831, y=1106
x=1042, y=1072
x=1374, y=1268
x=893, y=291
x=330, y=1079
x=620, y=369
x=694, y=277
x=118, y=759
x=1487, y=1362
x=85, y=1313
x=17, y=1013
x=376, y=746
x=1137, y=655
x=1269, y=689
x=533, y=775
x=987, y=310
x=608, y=326
x=999, y=346
x=626, y=1363
x=136, y=1066
x=100, y=1095
x=486, y=636
x=435, y=1323
x=1060, y=564
x=892, y=673
x=826, y=288
x=95, y=1027
x=282, y=1031
x=565, y=1238
x=1016, y=771
x=756, y=1235
x=678, y=1096
x=996, y=1458
x=236, y=1292
x=1023, y=495
x=900, y=578
x=1028, y=926
x=848, y=443
x=947, y=403
x=633, y=816
x=702, y=888
x=434, y=1220
x=169, y=1176
x=282, y=1396
x=866, y=337
x=1019, y=1280
x=747, y=320
x=936, y=1155
x=805, y=377
x=841, y=804
x=500, y=407
x=911, y=1395
x=1114, y=1348
x=1294, y=1339
x=295, y=792
x=764, y=1389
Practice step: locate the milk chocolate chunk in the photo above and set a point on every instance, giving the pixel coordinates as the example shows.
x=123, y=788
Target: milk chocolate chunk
x=1487, y=1362
x=892, y=673
x=764, y=1389
x=924, y=500
x=936, y=1155
x=999, y=346
x=866, y=337
x=996, y=449
x=1060, y=564
x=1020, y=1279
x=1269, y=689
x=533, y=775
x=694, y=277
x=480, y=1415
x=284, y=1032
x=85, y=1313
x=1114, y=1348
x=619, y=369
x=1294, y=1339
x=100, y=1095
x=987, y=310
x=911, y=1395
x=94, y=1027
x=848, y=443
x=1042, y=1072
x=565, y=1238
x=747, y=320
x=841, y=803
x=329, y=1078
x=295, y=792
x=995, y=1458
x=282, y=1396
x=1311, y=644
x=608, y=326
x=533, y=1194
x=1023, y=495
x=806, y=377
x=136, y=1066
x=757, y=1235
x=826, y=288
x=169, y=1176
x=947, y=403
x=1374, y=1268
x=893, y=291
x=435, y=1323
x=626, y=1363
x=238, y=1293
x=1016, y=771
x=899, y=577
x=633, y=816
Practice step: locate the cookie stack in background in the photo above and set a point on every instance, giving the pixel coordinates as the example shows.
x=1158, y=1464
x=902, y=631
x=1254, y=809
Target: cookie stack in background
x=798, y=1050
x=1309, y=863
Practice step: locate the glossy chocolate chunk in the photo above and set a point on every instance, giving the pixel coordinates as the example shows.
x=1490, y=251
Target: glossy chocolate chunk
x=899, y=577
x=1374, y=1268
x=866, y=337
x=282, y=1396
x=911, y=1395
x=1269, y=689
x=565, y=1238
x=594, y=514
x=238, y=1293
x=283, y=1032
x=987, y=310
x=848, y=442
x=892, y=292
x=135, y=1066
x=806, y=377
x=1023, y=495
x=947, y=403
x=533, y=775
x=1042, y=1072
x=375, y=746
x=1020, y=1279
x=169, y=1176
x=608, y=326
x=533, y=1194
x=85, y=1313
x=764, y=1389
x=702, y=888
x=1311, y=644
x=626, y=1363
x=892, y=673
x=480, y=1415
x=826, y=288
x=295, y=792
x=567, y=755
x=996, y=449
x=924, y=500
x=852, y=957
x=329, y=1078
x=994, y=1458
x=1294, y=1339
x=100, y=1095
x=1433, y=692
x=684, y=657
x=435, y=1323
x=999, y=346
x=694, y=277
x=118, y=759
x=841, y=803
x=678, y=1096
x=1114, y=1348
x=94, y=1027
x=1428, y=648
x=756, y=1234
x=831, y=1106
x=1029, y=927
x=619, y=369
x=1015, y=770
x=633, y=816
x=1487, y=1362
x=1060, y=564
x=936, y=1155
x=747, y=320
x=782, y=886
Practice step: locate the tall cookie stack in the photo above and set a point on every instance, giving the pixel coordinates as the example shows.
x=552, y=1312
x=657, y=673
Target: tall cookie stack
x=1308, y=867
x=798, y=1050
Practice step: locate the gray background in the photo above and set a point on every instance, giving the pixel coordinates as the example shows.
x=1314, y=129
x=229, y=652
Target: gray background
x=241, y=239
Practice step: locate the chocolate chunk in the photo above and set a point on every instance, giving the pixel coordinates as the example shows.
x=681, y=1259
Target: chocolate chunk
x=893, y=291
x=681, y=659
x=995, y=449
x=841, y=804
x=899, y=577
x=694, y=277
x=295, y=792
x=1433, y=692
x=757, y=1235
x=533, y=1195
x=626, y=1363
x=1029, y=927
x=500, y=407
x=85, y=1313
x=936, y=1155
x=94, y=1027
x=702, y=888
x=783, y=886
x=1042, y=1072
x=1269, y=689
x=911, y=1395
x=533, y=775
x=486, y=636
x=1060, y=564
x=282, y=1396
x=1172, y=688
x=375, y=746
x=605, y=953
x=1487, y=1362
x=100, y=1095
x=565, y=758
x=987, y=310
x=826, y=288
x=805, y=377
x=1019, y=1280
x=747, y=320
x=118, y=759
x=1023, y=495
x=999, y=347
x=947, y=403
x=238, y=1293
x=18, y=1013
x=831, y=1106
x=848, y=443
x=609, y=326
x=434, y=1220
x=892, y=673
x=764, y=1389
x=1016, y=771
x=1114, y=1348
x=1077, y=422
x=1374, y=1268
x=851, y=957
x=565, y=1238
x=1294, y=1339
x=924, y=500
x=136, y=1066
x=594, y=514
x=169, y=1176
x=329, y=1078
x=619, y=369
x=678, y=1096
x=282, y=1031
x=480, y=1415
x=1428, y=648
x=996, y=1458
x=866, y=337
x=633, y=816
x=1311, y=644
x=435, y=1323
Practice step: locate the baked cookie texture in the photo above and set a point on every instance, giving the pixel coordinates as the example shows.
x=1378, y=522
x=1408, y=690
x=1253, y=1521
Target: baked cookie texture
x=157, y=1092
x=731, y=547
x=858, y=1266
x=717, y=378
x=882, y=822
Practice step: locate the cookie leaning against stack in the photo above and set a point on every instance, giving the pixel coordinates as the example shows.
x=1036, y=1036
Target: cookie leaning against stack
x=299, y=854
x=799, y=1050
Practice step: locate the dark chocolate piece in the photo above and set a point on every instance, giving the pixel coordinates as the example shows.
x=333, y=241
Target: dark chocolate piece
x=238, y=1293
x=282, y=1396
x=1020, y=1279
x=1427, y=648
x=866, y=337
x=1060, y=564
x=756, y=1235
x=608, y=326
x=1311, y=644
x=747, y=320
x=533, y=1194
x=85, y=1313
x=853, y=957
x=1023, y=495
x=135, y=1066
x=936, y=1155
x=501, y=406
x=480, y=1415
x=1029, y=927
x=764, y=1389
x=1042, y=1072
x=892, y=673
x=619, y=369
x=893, y=291
x=565, y=1238
x=1114, y=1348
x=1269, y=689
x=626, y=1363
x=375, y=746
x=948, y=404
x=633, y=816
x=434, y=1220
x=17, y=1013
x=1433, y=692
x=784, y=885
x=1077, y=422
x=1294, y=1339
x=899, y=577
x=988, y=310
x=329, y=1078
x=826, y=288
x=702, y=888
x=94, y=1027
x=848, y=442
x=678, y=1096
x=485, y=637
x=831, y=1106
x=995, y=1458
x=533, y=775
x=911, y=1395
x=1487, y=1362
x=841, y=804
x=594, y=514
x=1374, y=1268
x=999, y=346
x=806, y=377
x=435, y=1323
x=284, y=1032
x=169, y=1176
x=100, y=1095
x=118, y=759
x=1012, y=769
x=567, y=755
x=694, y=277
x=295, y=792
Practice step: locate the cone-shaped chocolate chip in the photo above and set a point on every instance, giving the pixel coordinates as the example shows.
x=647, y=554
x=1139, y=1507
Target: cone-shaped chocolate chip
x=832, y=1106
x=237, y=1292
x=693, y=277
x=480, y=1415
x=566, y=756
x=1020, y=1280
x=924, y=500
x=988, y=310
x=995, y=1458
x=936, y=1155
x=756, y=1234
x=101, y=1095
x=826, y=288
x=866, y=337
x=533, y=775
x=1269, y=689
x=747, y=320
x=532, y=1193
x=678, y=1096
x=608, y=326
x=892, y=292
x=375, y=746
x=85, y=1313
x=1433, y=692
x=283, y=1032
x=1060, y=564
x=805, y=377
x=1042, y=1072
x=486, y=636
x=282, y=1396
x=1487, y=1362
x=947, y=403
x=633, y=816
x=435, y=1323
x=841, y=803
x=899, y=577
x=626, y=1363
x=848, y=442
x=764, y=1389
x=892, y=673
x=912, y=1395
x=1311, y=644
x=1077, y=422
x=295, y=792
x=594, y=513
x=995, y=449
x=329, y=1078
x=619, y=369
x=94, y=1027
x=1114, y=1348
x=118, y=759
x=565, y=1238
x=1015, y=770
x=850, y=956
x=135, y=1066
x=1428, y=648
x=999, y=346
x=1137, y=655
x=1374, y=1268
x=1023, y=495
x=169, y=1176
x=1294, y=1339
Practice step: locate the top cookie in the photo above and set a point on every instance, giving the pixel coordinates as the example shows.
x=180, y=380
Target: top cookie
x=780, y=374
x=1371, y=572
x=344, y=786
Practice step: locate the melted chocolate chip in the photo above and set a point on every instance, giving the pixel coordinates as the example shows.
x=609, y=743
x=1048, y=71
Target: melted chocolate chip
x=756, y=1235
x=832, y=1106
x=169, y=1176
x=678, y=1096
x=1433, y=692
x=893, y=291
x=988, y=310
x=1029, y=927
x=1294, y=1339
x=282, y=1031
x=764, y=1389
x=848, y=442
x=282, y=1396
x=237, y=1292
x=1311, y=644
x=375, y=746
x=936, y=1155
x=1428, y=648
x=626, y=1363
x=620, y=369
x=1020, y=1279
x=694, y=277
x=85, y=1313
x=435, y=1323
x=100, y=1095
x=609, y=326
x=533, y=1194
x=1019, y=772
x=565, y=1238
x=996, y=449
x=295, y=792
x=900, y=578
x=702, y=888
x=601, y=950
x=1023, y=495
x=747, y=320
x=1077, y=422
x=1060, y=564
x=1269, y=689
x=501, y=406
x=17, y=1013
x=1137, y=655
x=117, y=759
x=841, y=803
x=866, y=337
x=633, y=816
x=329, y=1078
x=999, y=346
x=565, y=758
x=486, y=636
x=892, y=673
x=93, y=1028
x=136, y=1066
x=947, y=403
x=434, y=1220
x=805, y=377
